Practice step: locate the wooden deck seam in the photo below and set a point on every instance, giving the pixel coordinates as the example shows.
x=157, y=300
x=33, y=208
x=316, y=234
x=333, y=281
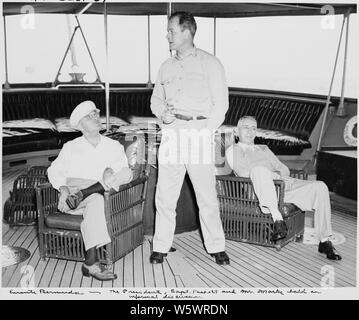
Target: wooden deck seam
x=206, y=263
x=242, y=267
x=252, y=284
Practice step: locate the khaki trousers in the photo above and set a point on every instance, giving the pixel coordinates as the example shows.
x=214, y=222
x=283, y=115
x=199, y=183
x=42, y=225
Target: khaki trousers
x=306, y=195
x=187, y=146
x=93, y=227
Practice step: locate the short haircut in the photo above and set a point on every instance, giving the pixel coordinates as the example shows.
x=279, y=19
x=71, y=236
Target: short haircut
x=186, y=21
x=244, y=118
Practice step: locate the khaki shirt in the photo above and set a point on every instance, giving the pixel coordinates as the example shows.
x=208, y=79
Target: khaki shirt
x=195, y=85
x=242, y=158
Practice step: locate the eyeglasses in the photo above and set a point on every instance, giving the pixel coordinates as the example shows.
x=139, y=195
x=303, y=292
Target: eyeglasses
x=93, y=115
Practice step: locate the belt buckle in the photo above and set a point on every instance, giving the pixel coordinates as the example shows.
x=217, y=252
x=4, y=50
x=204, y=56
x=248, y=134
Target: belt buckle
x=194, y=117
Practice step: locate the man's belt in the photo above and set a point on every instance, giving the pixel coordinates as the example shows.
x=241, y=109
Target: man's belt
x=188, y=118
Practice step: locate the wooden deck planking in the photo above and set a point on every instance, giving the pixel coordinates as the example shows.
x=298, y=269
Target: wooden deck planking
x=128, y=278
x=208, y=283
x=181, y=267
x=158, y=275
x=286, y=272
x=16, y=241
x=316, y=261
x=76, y=279
x=207, y=277
x=21, y=269
x=147, y=267
x=237, y=267
x=300, y=260
x=240, y=268
x=58, y=274
x=68, y=273
x=11, y=232
x=296, y=265
x=280, y=274
x=138, y=276
x=179, y=282
x=199, y=258
x=119, y=270
x=170, y=279
x=311, y=254
x=48, y=273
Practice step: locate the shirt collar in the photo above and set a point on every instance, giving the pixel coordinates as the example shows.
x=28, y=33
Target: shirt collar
x=87, y=143
x=246, y=147
x=190, y=52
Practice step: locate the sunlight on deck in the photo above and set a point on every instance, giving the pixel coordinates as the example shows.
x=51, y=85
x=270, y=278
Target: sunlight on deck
x=296, y=265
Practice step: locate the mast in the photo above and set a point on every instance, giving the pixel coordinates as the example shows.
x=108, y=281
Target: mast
x=341, y=109
x=107, y=80
x=7, y=84
x=149, y=82
x=328, y=96
x=214, y=35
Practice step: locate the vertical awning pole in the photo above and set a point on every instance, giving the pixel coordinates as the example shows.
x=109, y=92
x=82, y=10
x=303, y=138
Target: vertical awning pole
x=7, y=84
x=214, y=35
x=107, y=78
x=169, y=12
x=341, y=108
x=328, y=97
x=149, y=82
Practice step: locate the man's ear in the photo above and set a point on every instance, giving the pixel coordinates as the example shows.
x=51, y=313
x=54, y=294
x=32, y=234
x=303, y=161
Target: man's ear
x=187, y=33
x=235, y=131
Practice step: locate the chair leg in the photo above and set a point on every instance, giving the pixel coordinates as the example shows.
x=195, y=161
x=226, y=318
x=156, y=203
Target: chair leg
x=42, y=247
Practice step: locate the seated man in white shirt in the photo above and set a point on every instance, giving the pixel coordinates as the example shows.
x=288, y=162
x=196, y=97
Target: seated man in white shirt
x=83, y=170
x=260, y=164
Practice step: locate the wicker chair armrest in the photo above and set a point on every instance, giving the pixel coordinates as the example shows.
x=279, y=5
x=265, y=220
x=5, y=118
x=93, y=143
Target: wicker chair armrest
x=299, y=174
x=243, y=179
x=129, y=198
x=240, y=188
x=47, y=199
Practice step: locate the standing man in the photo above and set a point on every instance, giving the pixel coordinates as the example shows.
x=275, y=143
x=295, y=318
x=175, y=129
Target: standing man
x=191, y=98
x=83, y=170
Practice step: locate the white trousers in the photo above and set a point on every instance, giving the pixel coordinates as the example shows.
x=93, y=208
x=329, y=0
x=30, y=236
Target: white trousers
x=93, y=227
x=171, y=172
x=306, y=195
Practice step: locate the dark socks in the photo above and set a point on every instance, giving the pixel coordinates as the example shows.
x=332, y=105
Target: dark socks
x=74, y=200
x=95, y=188
x=90, y=256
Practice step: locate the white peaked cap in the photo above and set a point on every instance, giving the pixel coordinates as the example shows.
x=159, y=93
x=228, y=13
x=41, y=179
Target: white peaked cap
x=82, y=110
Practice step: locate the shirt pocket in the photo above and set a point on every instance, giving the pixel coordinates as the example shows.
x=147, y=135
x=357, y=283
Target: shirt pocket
x=197, y=88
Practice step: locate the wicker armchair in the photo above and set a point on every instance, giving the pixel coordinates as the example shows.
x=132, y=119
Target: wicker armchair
x=241, y=216
x=60, y=235
x=20, y=208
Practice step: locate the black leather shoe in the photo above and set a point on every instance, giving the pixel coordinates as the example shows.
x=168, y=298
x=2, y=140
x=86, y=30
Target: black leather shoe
x=280, y=230
x=157, y=257
x=98, y=272
x=328, y=248
x=221, y=258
